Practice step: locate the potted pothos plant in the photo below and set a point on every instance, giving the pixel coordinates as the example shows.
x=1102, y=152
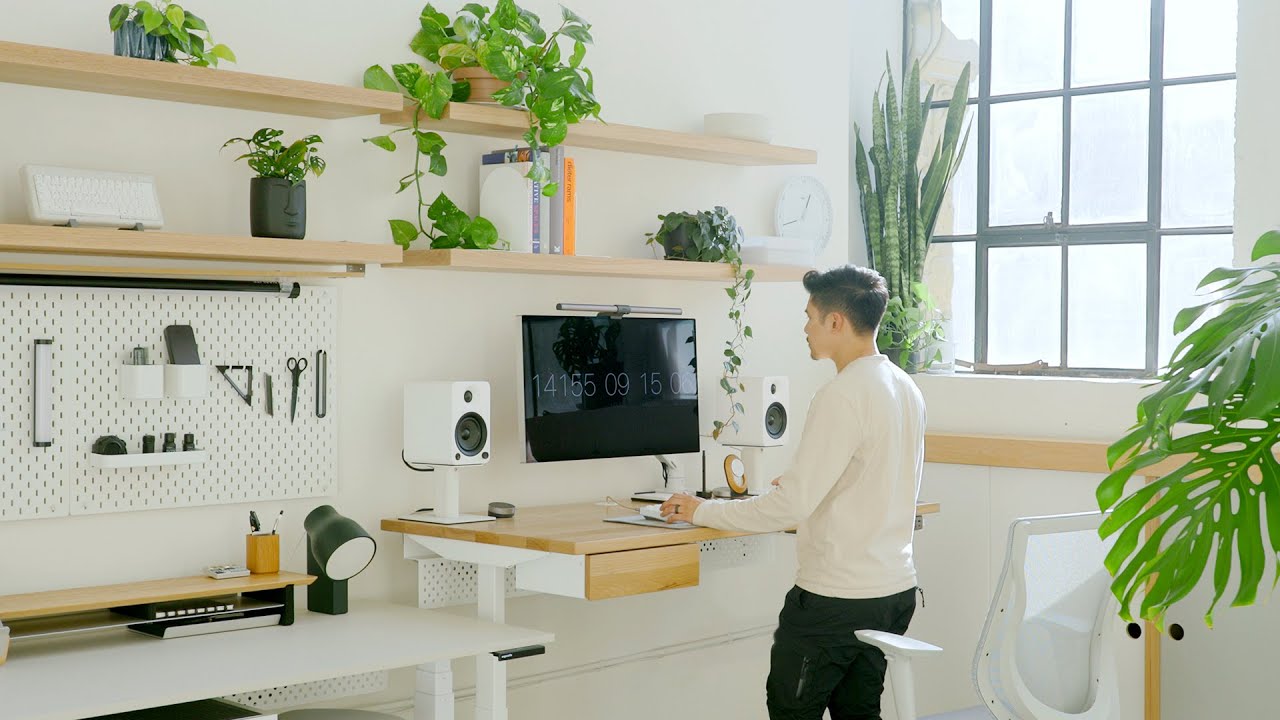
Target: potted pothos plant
x=714, y=236
x=900, y=202
x=911, y=330
x=537, y=73
x=164, y=31
x=278, y=195
x=1217, y=413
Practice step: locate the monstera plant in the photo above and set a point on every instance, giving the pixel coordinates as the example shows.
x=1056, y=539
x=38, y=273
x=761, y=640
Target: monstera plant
x=1217, y=413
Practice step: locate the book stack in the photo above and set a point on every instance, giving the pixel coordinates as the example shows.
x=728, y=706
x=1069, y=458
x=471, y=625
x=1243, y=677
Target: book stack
x=526, y=219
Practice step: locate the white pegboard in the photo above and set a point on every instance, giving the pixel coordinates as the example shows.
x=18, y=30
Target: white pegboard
x=736, y=552
x=33, y=481
x=311, y=692
x=253, y=456
x=442, y=583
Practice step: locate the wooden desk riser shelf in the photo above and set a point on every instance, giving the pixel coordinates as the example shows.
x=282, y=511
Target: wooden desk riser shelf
x=501, y=122
x=584, y=266
x=110, y=75
x=75, y=600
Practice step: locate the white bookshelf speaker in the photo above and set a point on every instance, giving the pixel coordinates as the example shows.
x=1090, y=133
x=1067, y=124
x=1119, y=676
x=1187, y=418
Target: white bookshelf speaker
x=447, y=423
x=763, y=420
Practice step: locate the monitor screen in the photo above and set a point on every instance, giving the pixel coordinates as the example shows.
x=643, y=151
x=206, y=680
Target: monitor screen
x=597, y=387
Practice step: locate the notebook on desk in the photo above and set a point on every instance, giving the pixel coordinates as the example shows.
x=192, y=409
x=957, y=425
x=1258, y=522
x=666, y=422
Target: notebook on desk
x=647, y=522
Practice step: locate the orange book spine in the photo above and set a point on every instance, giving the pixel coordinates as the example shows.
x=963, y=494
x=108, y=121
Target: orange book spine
x=570, y=223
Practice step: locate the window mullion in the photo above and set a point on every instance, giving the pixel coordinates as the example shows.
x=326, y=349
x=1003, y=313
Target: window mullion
x=980, y=314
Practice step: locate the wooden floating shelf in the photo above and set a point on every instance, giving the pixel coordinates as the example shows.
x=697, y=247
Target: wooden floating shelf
x=107, y=242
x=76, y=600
x=111, y=75
x=525, y=263
x=501, y=122
x=173, y=272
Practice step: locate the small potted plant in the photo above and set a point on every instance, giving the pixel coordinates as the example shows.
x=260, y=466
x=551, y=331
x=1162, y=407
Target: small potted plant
x=164, y=31
x=278, y=195
x=714, y=236
x=911, y=331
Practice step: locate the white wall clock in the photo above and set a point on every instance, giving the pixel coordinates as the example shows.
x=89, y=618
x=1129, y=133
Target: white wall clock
x=804, y=211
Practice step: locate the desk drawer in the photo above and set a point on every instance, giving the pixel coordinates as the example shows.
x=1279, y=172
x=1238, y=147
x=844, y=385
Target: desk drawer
x=635, y=572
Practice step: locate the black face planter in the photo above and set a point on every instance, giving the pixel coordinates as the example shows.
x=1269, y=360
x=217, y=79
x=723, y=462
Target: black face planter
x=277, y=209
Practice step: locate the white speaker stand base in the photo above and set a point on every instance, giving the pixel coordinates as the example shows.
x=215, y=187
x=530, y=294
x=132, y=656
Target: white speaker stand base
x=446, y=512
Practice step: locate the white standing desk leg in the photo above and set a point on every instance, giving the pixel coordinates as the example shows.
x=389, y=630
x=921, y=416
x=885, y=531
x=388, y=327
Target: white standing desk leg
x=491, y=675
x=434, y=699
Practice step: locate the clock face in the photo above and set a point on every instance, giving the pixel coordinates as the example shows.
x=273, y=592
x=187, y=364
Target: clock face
x=804, y=211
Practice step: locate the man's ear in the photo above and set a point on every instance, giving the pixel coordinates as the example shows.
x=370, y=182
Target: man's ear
x=836, y=321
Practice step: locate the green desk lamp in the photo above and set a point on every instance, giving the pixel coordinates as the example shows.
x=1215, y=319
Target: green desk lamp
x=338, y=549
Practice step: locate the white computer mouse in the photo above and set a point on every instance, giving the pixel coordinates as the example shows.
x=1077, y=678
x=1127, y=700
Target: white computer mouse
x=653, y=512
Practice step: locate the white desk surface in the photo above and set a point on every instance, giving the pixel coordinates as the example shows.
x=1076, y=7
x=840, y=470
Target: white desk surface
x=72, y=677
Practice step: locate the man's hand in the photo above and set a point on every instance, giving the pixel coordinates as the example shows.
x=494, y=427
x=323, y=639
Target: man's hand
x=680, y=508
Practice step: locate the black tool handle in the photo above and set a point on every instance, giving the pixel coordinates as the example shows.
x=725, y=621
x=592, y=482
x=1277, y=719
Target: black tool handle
x=322, y=383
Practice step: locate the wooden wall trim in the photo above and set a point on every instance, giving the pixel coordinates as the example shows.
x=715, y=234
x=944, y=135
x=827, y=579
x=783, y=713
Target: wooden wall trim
x=1027, y=453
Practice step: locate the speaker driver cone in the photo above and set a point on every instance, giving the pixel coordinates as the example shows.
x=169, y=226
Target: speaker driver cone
x=470, y=434
x=775, y=420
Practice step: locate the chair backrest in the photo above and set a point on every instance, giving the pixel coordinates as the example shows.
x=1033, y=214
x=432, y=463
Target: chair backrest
x=1046, y=651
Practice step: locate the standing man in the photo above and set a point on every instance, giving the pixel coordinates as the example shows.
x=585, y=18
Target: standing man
x=851, y=493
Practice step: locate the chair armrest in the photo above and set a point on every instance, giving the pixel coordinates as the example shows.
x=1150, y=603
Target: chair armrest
x=896, y=645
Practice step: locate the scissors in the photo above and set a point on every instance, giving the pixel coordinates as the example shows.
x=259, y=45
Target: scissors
x=295, y=367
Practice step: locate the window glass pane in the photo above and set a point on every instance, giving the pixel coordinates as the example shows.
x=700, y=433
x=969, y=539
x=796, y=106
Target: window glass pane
x=1199, y=37
x=1199, y=164
x=1107, y=306
x=1024, y=304
x=1109, y=157
x=1184, y=261
x=1110, y=41
x=1026, y=161
x=949, y=274
x=958, y=214
x=1026, y=45
x=944, y=36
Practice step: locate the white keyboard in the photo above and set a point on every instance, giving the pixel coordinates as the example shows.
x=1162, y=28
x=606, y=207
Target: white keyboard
x=91, y=197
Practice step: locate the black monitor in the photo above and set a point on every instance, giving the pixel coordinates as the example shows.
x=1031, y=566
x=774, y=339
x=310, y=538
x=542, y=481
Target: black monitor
x=600, y=387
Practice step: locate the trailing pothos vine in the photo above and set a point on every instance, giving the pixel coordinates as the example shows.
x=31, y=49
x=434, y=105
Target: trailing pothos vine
x=714, y=236
x=450, y=227
x=510, y=44
x=739, y=294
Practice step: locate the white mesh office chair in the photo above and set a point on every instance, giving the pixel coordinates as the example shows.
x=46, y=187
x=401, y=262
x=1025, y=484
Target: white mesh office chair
x=1047, y=649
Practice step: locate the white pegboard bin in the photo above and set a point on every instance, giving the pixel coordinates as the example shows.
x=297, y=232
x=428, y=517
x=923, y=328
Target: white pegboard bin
x=258, y=457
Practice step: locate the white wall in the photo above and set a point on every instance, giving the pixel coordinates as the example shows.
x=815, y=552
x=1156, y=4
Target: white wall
x=662, y=64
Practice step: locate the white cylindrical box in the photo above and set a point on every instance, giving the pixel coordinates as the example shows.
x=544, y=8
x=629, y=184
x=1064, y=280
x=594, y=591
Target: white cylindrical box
x=186, y=381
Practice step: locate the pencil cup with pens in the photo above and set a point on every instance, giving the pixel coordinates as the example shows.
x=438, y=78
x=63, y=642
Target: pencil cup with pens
x=262, y=549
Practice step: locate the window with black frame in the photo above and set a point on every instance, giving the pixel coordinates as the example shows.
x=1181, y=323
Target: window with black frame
x=1098, y=187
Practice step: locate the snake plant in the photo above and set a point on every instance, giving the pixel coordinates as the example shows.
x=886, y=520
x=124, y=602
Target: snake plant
x=900, y=205
x=1221, y=392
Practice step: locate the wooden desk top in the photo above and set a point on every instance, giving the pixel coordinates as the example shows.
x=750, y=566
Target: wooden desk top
x=577, y=529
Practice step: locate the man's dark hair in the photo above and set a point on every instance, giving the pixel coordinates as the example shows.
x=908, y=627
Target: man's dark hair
x=858, y=293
